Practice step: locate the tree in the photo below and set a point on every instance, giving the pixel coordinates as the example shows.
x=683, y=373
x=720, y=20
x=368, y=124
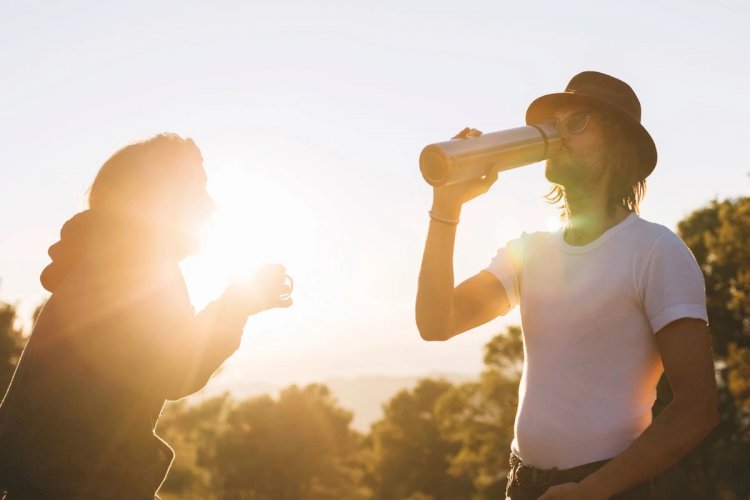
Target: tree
x=192, y=430
x=719, y=237
x=300, y=446
x=12, y=342
x=410, y=456
x=444, y=441
x=480, y=416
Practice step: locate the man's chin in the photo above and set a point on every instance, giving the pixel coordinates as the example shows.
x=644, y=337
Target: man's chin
x=554, y=172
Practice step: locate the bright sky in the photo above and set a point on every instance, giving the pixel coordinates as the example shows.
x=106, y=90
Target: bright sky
x=311, y=117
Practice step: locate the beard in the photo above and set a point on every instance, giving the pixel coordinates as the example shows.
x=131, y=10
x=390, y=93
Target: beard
x=574, y=171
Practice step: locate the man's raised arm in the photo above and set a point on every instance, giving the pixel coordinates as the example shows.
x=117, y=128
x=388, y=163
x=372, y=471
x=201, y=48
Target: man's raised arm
x=442, y=311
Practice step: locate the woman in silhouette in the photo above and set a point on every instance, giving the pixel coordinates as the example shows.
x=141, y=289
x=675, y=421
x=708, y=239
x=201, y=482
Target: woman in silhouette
x=118, y=336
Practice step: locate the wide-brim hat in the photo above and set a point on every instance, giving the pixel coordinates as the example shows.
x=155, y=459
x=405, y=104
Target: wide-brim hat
x=605, y=92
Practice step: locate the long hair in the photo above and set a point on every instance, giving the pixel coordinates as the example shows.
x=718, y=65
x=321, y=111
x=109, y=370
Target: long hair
x=626, y=188
x=142, y=176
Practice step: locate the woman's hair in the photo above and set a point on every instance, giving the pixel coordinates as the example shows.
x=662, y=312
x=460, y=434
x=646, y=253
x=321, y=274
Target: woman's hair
x=626, y=187
x=140, y=176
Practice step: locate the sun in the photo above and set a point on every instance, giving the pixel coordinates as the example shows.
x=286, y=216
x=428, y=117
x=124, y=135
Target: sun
x=259, y=219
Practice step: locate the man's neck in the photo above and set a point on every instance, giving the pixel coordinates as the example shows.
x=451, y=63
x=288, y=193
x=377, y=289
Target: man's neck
x=589, y=218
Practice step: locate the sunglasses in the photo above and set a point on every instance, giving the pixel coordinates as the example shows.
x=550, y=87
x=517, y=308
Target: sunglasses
x=573, y=124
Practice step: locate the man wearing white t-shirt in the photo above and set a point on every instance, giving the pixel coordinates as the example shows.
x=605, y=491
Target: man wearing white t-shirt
x=607, y=304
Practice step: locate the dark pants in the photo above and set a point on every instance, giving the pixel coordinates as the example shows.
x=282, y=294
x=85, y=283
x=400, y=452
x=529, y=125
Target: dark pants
x=84, y=478
x=71, y=487
x=27, y=494
x=528, y=483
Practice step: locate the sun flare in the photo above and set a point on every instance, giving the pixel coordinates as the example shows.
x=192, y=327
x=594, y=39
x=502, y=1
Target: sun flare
x=554, y=223
x=258, y=220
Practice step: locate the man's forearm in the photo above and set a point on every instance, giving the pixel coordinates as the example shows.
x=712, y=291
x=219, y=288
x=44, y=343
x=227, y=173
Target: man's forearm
x=672, y=434
x=435, y=311
x=435, y=290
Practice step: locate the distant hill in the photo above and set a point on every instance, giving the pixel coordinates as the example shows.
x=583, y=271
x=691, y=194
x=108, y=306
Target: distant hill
x=363, y=395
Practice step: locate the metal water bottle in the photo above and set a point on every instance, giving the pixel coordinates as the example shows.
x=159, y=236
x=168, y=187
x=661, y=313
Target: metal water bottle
x=458, y=160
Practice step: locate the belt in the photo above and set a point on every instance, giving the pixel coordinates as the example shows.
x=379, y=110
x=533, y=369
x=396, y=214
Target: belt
x=544, y=478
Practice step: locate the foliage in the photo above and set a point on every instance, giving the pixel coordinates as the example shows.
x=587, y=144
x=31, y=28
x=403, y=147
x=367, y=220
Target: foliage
x=435, y=441
x=411, y=455
x=479, y=416
x=299, y=446
x=442, y=441
x=192, y=430
x=12, y=342
x=719, y=237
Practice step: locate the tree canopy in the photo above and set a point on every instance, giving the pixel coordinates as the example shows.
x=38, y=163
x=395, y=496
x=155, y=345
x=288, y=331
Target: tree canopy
x=11, y=344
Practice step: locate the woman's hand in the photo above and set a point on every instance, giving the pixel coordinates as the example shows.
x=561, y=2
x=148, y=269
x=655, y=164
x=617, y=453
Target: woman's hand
x=270, y=288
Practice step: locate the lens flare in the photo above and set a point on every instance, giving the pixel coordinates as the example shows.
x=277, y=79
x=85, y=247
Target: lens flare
x=258, y=220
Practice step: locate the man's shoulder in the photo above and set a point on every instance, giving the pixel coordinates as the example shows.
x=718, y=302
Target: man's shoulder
x=651, y=232
x=517, y=250
x=653, y=239
x=538, y=237
x=528, y=241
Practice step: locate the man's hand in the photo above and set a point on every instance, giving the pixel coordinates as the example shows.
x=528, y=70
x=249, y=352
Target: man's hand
x=570, y=491
x=467, y=132
x=447, y=200
x=268, y=289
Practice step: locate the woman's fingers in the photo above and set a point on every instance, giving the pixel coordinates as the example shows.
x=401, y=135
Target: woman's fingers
x=284, y=302
x=276, y=285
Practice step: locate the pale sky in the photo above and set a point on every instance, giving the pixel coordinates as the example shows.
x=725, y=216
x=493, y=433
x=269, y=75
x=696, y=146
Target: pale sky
x=313, y=114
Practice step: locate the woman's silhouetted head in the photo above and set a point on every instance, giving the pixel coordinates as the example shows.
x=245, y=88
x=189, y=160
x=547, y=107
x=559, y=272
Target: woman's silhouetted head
x=158, y=184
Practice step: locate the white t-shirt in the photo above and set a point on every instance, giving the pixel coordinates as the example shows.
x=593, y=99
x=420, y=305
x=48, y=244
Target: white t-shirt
x=589, y=314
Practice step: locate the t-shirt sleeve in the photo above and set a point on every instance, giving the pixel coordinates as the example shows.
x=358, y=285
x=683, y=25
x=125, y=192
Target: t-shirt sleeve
x=507, y=265
x=672, y=286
